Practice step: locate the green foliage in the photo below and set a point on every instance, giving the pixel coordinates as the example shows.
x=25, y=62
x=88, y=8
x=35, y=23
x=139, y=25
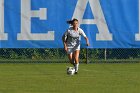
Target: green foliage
x=52, y=54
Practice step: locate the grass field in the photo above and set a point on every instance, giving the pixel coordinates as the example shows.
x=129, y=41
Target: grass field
x=52, y=78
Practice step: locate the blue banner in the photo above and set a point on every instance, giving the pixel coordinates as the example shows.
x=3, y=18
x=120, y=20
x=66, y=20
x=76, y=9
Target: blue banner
x=41, y=23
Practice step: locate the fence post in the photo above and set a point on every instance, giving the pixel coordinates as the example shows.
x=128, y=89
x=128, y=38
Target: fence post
x=105, y=54
x=86, y=55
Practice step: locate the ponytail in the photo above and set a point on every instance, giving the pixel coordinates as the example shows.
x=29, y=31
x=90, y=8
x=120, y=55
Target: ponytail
x=71, y=21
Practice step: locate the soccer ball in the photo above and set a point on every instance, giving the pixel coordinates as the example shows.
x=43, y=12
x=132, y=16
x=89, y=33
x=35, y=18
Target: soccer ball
x=70, y=70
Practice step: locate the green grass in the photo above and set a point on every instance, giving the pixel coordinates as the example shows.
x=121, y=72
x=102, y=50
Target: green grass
x=52, y=78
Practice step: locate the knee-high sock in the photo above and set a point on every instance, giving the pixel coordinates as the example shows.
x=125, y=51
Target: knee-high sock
x=76, y=67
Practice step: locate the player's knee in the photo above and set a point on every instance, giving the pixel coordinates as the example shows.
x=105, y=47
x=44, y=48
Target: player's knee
x=76, y=59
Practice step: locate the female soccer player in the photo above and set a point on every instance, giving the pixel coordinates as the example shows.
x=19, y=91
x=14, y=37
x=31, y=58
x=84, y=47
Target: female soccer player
x=71, y=41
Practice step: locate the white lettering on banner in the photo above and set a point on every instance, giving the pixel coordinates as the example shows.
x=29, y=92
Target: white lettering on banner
x=137, y=36
x=3, y=36
x=99, y=20
x=26, y=15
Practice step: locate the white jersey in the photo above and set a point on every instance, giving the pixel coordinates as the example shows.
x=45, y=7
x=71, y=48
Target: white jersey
x=72, y=37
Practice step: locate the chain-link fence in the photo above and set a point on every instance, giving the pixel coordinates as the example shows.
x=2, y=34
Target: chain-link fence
x=60, y=56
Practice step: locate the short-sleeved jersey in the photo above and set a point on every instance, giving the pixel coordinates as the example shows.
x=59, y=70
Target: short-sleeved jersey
x=72, y=37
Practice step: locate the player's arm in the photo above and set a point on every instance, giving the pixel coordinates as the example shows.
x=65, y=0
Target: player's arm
x=64, y=40
x=86, y=38
x=65, y=46
x=87, y=41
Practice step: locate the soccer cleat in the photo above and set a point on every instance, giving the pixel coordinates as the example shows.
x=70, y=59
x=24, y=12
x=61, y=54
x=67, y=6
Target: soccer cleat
x=76, y=72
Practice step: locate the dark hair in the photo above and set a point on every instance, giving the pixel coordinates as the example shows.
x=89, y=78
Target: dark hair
x=72, y=21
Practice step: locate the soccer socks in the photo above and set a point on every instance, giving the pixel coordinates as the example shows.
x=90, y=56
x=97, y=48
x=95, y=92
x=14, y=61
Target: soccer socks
x=73, y=63
x=76, y=67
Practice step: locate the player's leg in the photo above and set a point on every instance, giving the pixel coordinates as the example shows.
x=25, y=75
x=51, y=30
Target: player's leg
x=71, y=59
x=70, y=55
x=76, y=57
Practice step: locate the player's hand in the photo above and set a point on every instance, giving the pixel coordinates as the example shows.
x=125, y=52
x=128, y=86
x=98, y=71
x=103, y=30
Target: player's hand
x=88, y=44
x=66, y=48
